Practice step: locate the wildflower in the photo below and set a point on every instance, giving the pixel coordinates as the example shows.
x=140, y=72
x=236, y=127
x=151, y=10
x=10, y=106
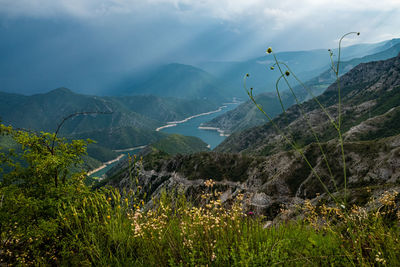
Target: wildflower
x=269, y=50
x=213, y=257
x=109, y=199
x=379, y=258
x=250, y=213
x=209, y=183
x=108, y=217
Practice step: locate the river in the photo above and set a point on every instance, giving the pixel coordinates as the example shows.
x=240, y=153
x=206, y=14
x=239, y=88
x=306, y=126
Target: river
x=189, y=127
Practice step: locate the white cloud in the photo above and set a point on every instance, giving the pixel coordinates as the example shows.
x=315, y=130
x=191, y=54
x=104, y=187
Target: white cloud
x=286, y=10
x=265, y=19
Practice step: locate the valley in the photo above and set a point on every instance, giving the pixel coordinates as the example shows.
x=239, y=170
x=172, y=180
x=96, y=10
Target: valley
x=271, y=172
x=192, y=127
x=184, y=157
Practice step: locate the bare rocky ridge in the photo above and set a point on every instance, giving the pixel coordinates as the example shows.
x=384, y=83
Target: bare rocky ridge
x=269, y=182
x=369, y=90
x=247, y=115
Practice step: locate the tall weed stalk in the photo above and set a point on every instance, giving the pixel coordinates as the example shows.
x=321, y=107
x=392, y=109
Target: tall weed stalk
x=285, y=72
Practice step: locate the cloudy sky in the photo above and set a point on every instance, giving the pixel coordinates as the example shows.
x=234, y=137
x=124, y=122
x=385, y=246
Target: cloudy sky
x=98, y=38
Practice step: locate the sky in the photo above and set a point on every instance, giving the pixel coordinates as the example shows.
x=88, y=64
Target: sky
x=81, y=43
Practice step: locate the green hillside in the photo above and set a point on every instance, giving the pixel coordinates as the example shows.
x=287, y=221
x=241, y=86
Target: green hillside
x=165, y=109
x=96, y=154
x=127, y=122
x=179, y=144
x=43, y=112
x=121, y=138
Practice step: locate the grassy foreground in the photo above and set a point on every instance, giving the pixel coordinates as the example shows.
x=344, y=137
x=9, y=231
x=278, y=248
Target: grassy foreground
x=104, y=228
x=48, y=216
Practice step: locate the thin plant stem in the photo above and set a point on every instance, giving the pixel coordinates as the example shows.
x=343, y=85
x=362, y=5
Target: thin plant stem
x=292, y=144
x=308, y=123
x=277, y=91
x=340, y=113
x=337, y=125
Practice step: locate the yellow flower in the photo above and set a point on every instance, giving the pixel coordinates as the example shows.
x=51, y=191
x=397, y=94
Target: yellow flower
x=269, y=50
x=108, y=217
x=109, y=199
x=209, y=183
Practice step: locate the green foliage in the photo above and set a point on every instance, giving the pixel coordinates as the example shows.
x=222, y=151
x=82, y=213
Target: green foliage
x=101, y=153
x=179, y=144
x=31, y=192
x=120, y=138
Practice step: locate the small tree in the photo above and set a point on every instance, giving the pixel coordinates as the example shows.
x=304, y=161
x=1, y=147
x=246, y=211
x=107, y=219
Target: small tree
x=35, y=182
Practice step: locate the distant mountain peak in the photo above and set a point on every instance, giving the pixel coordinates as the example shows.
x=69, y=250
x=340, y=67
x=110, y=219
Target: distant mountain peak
x=181, y=81
x=61, y=90
x=181, y=67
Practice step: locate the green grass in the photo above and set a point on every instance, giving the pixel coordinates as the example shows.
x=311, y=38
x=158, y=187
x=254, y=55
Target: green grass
x=106, y=228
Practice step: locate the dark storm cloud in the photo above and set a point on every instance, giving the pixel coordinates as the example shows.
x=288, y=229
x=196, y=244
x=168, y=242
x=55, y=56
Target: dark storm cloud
x=89, y=44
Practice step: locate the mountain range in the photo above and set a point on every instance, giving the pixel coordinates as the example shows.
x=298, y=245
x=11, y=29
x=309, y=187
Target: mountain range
x=247, y=114
x=368, y=90
x=177, y=91
x=259, y=164
x=45, y=111
x=306, y=65
x=123, y=122
x=180, y=81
